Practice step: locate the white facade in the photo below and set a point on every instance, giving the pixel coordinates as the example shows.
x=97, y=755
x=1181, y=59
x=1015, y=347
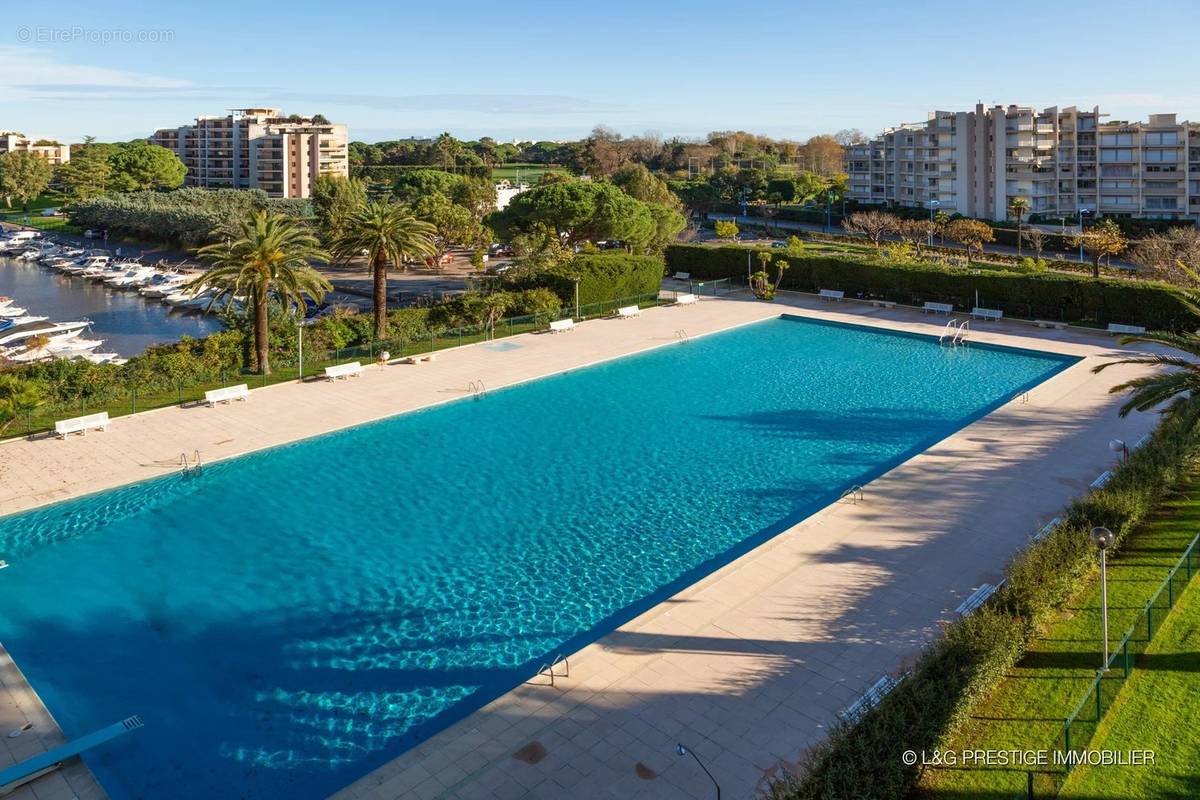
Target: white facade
x=258, y=148
x=1059, y=160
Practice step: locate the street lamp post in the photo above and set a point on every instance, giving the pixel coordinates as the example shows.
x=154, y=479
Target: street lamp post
x=576, y=279
x=300, y=335
x=1103, y=539
x=932, y=205
x=683, y=751
x=1082, y=211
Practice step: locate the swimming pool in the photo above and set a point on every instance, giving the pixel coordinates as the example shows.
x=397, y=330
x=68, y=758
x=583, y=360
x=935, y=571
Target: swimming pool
x=287, y=621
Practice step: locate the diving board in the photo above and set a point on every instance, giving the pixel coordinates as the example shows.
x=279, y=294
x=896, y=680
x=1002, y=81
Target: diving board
x=20, y=774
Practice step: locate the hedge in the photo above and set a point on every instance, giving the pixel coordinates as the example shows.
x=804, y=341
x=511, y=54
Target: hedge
x=606, y=276
x=1050, y=295
x=957, y=672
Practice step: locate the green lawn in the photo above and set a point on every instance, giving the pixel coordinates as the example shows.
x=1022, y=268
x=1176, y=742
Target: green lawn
x=1156, y=710
x=1027, y=710
x=33, y=218
x=528, y=173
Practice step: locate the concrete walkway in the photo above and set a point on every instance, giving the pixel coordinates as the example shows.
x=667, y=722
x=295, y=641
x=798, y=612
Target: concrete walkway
x=749, y=665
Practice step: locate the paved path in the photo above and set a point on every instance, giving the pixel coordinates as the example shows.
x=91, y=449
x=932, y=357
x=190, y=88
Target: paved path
x=747, y=666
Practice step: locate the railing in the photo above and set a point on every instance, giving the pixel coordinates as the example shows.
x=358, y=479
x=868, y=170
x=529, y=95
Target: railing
x=1080, y=726
x=160, y=390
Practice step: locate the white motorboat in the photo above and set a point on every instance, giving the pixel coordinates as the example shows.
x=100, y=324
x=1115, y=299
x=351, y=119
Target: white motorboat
x=131, y=277
x=205, y=301
x=11, y=311
x=184, y=296
x=72, y=347
x=16, y=334
x=104, y=358
x=162, y=285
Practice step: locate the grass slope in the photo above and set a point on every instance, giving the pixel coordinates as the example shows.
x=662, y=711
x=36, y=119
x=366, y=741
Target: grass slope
x=1027, y=710
x=1156, y=710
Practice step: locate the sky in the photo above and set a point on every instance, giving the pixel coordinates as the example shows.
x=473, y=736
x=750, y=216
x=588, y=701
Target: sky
x=554, y=70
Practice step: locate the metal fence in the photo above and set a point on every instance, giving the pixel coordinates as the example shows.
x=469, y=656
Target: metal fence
x=1080, y=726
x=163, y=390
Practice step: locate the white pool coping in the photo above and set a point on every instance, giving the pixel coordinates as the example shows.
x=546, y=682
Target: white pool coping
x=748, y=665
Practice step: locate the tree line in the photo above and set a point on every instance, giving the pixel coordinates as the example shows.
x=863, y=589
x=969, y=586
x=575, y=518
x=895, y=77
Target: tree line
x=94, y=169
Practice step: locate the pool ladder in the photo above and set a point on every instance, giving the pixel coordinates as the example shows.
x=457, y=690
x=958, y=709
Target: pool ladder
x=854, y=494
x=477, y=389
x=682, y=336
x=955, y=332
x=547, y=670
x=191, y=467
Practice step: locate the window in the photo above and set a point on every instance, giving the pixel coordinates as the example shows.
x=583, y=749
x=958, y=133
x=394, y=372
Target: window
x=1116, y=139
x=1161, y=155
x=1116, y=200
x=1163, y=203
x=1167, y=138
x=1111, y=156
x=1116, y=184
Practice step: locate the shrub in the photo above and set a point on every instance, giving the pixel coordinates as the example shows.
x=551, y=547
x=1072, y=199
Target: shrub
x=725, y=228
x=1048, y=295
x=602, y=277
x=187, y=217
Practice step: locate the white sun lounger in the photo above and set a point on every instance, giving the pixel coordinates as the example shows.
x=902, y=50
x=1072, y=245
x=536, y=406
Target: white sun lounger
x=682, y=276
x=562, y=325
x=977, y=598
x=1133, y=330
x=226, y=394
x=686, y=299
x=832, y=294
x=937, y=308
x=81, y=425
x=625, y=312
x=341, y=371
x=879, y=690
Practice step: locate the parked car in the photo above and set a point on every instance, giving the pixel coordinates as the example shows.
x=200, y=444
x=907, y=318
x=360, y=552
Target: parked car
x=779, y=245
x=92, y=233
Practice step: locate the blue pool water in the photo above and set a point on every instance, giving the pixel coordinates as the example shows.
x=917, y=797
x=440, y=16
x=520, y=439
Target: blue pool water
x=287, y=621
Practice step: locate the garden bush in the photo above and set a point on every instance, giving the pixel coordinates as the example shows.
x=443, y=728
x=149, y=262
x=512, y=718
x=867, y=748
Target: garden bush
x=184, y=217
x=603, y=277
x=1038, y=295
x=958, y=671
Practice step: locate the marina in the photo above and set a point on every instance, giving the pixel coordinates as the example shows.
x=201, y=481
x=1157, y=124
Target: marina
x=59, y=301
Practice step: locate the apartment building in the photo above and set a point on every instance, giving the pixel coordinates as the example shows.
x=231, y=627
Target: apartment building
x=1061, y=160
x=258, y=148
x=55, y=153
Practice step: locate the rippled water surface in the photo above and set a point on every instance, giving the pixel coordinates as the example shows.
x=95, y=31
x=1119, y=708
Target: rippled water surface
x=287, y=621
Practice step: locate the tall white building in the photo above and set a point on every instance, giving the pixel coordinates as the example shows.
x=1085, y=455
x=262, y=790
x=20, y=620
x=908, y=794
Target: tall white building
x=258, y=148
x=1060, y=160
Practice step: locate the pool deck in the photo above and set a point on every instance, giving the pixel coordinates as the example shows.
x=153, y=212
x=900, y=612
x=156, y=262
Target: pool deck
x=749, y=665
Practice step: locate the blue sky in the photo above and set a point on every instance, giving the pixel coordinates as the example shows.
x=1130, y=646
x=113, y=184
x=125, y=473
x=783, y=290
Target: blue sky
x=118, y=69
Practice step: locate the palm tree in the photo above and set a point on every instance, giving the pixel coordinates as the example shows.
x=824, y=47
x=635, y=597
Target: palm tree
x=271, y=255
x=1017, y=206
x=18, y=397
x=1180, y=385
x=385, y=233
